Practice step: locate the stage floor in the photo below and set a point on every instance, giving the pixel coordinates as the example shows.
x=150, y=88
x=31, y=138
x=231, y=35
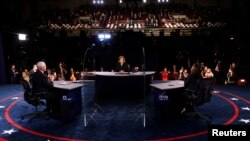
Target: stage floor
x=121, y=120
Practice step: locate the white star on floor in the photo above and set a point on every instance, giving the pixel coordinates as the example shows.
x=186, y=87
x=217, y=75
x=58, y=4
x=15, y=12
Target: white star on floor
x=245, y=120
x=9, y=131
x=1, y=107
x=0, y=117
x=14, y=98
x=245, y=108
x=235, y=99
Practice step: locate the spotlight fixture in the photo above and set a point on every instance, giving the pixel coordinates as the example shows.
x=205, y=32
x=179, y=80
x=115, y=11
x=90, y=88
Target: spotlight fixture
x=104, y=36
x=22, y=37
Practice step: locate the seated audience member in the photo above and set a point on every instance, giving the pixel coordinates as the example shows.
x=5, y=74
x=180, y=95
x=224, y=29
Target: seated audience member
x=26, y=75
x=13, y=74
x=203, y=71
x=62, y=72
x=72, y=75
x=54, y=76
x=164, y=74
x=78, y=75
x=81, y=76
x=32, y=71
x=48, y=72
x=209, y=73
x=185, y=73
x=41, y=83
x=231, y=74
x=181, y=74
x=122, y=66
x=217, y=72
x=174, y=74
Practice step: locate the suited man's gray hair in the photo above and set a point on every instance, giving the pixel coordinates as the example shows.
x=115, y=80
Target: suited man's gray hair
x=40, y=65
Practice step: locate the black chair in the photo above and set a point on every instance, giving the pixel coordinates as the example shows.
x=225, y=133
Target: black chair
x=197, y=97
x=34, y=99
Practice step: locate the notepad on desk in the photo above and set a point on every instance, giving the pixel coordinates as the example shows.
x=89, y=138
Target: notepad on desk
x=122, y=73
x=64, y=83
x=77, y=81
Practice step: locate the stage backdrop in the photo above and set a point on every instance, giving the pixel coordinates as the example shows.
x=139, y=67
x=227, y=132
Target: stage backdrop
x=2, y=64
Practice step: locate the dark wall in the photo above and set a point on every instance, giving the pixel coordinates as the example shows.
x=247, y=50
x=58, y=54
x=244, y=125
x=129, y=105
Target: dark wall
x=43, y=4
x=160, y=51
x=3, y=79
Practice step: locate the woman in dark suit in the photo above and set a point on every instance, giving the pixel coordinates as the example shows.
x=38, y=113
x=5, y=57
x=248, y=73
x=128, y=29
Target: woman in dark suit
x=190, y=83
x=122, y=66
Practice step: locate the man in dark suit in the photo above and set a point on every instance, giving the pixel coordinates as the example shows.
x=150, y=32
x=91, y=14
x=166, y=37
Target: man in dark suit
x=41, y=83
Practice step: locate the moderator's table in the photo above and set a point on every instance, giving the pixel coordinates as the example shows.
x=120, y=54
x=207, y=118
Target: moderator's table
x=69, y=98
x=122, y=85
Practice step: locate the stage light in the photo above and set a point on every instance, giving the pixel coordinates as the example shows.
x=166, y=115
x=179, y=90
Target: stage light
x=22, y=37
x=104, y=36
x=107, y=36
x=101, y=36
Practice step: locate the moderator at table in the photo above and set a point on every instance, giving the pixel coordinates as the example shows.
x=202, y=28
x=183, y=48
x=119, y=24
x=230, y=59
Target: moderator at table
x=122, y=84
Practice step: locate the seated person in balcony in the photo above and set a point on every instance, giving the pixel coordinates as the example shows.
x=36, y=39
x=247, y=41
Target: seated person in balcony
x=122, y=66
x=41, y=83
